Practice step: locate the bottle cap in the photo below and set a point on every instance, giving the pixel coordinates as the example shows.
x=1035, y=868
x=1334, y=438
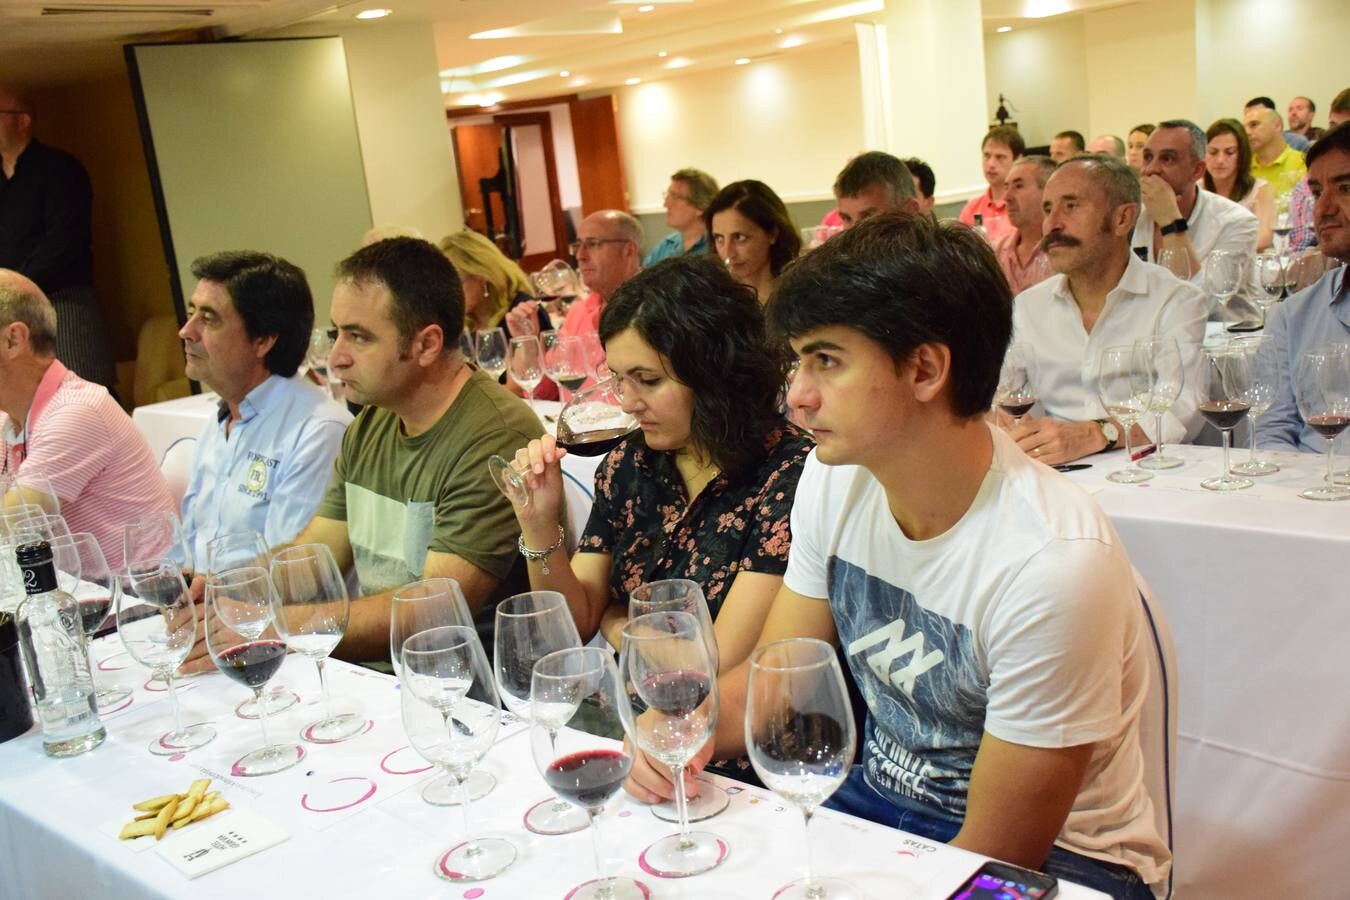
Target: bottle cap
x=34, y=553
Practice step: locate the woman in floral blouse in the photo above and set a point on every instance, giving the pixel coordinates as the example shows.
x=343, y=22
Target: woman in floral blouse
x=705, y=489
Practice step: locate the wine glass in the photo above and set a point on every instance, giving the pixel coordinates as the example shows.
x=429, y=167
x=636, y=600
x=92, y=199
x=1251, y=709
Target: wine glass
x=1178, y=262
x=800, y=735
x=33, y=488
x=1123, y=388
x=451, y=714
x=48, y=526
x=242, y=639
x=1322, y=390
x=526, y=364
x=414, y=608
x=94, y=587
x=565, y=362
x=1274, y=272
x=1160, y=360
x=13, y=517
x=321, y=342
x=1224, y=270
x=157, y=622
x=1015, y=395
x=1264, y=364
x=1224, y=390
x=671, y=712
x=529, y=627
x=311, y=616
x=154, y=537
x=576, y=738
x=490, y=351
x=591, y=423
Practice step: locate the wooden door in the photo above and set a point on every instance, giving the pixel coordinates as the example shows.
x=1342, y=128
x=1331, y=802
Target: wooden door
x=595, y=132
x=544, y=229
x=478, y=155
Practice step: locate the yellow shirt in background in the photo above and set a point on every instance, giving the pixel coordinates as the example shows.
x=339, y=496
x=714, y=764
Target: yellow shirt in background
x=1283, y=173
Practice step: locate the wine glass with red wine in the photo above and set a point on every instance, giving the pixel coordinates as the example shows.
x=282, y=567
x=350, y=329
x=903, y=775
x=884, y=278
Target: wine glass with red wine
x=1015, y=395
x=1322, y=390
x=1224, y=402
x=565, y=362
x=95, y=586
x=671, y=686
x=577, y=739
x=243, y=641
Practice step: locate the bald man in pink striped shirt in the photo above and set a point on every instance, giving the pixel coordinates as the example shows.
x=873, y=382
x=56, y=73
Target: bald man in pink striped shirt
x=70, y=430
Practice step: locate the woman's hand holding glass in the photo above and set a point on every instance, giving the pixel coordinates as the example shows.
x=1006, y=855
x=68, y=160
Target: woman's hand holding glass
x=533, y=482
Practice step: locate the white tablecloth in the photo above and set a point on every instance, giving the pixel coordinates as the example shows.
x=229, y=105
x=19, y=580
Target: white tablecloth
x=54, y=815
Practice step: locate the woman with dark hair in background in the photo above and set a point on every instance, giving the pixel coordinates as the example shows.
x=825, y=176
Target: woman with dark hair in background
x=704, y=491
x=1134, y=145
x=753, y=234
x=1228, y=173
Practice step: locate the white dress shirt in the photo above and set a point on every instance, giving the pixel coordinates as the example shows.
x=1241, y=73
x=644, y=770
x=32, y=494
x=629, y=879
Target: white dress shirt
x=1215, y=223
x=1062, y=355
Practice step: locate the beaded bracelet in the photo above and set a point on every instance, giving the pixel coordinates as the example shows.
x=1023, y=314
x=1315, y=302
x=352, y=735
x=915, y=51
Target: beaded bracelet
x=539, y=556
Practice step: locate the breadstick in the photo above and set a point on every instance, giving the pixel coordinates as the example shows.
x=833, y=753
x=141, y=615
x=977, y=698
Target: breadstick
x=154, y=804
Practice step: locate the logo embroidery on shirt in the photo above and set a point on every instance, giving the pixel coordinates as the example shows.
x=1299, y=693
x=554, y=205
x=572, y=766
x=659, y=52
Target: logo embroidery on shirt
x=259, y=473
x=895, y=645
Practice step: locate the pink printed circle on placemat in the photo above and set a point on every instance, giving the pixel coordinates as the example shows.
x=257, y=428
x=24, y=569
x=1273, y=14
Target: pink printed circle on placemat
x=234, y=767
x=168, y=746
x=384, y=763
x=177, y=757
x=722, y=850
x=131, y=698
x=474, y=893
x=625, y=814
x=161, y=688
x=369, y=792
x=103, y=663
x=646, y=891
x=308, y=733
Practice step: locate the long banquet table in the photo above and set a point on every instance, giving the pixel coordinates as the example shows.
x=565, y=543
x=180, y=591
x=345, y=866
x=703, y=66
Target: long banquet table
x=1250, y=583
x=358, y=827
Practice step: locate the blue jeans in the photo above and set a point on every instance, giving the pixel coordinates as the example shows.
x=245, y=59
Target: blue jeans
x=857, y=798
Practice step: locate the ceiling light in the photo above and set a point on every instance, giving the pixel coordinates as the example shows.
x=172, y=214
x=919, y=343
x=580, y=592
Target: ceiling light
x=1004, y=29
x=632, y=81
x=795, y=40
x=743, y=61
x=647, y=8
x=778, y=31
x=490, y=100
x=679, y=62
x=661, y=55
x=373, y=13
x=564, y=73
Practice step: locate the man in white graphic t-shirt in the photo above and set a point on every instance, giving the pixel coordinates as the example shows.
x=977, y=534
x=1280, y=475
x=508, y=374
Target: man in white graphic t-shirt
x=983, y=602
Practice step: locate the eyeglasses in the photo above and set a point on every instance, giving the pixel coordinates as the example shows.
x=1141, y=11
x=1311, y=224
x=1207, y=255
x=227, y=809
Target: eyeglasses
x=593, y=244
x=672, y=195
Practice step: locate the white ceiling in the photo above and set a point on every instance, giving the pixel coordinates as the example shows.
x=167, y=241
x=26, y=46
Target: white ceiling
x=600, y=43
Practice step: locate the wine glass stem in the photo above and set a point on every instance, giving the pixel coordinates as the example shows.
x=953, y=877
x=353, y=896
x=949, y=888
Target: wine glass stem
x=173, y=701
x=260, y=702
x=1227, y=442
x=594, y=816
x=462, y=788
x=1129, y=449
x=1158, y=435
x=323, y=689
x=810, y=863
x=1252, y=458
x=681, y=804
x=1331, y=454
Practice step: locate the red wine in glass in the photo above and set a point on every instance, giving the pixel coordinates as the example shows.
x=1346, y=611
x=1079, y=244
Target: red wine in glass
x=1224, y=414
x=592, y=443
x=589, y=778
x=1328, y=426
x=93, y=610
x=572, y=382
x=1017, y=405
x=252, y=664
x=675, y=694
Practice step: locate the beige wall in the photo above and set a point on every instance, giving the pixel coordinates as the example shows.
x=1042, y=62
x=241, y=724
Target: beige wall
x=1042, y=70
x=1140, y=64
x=791, y=122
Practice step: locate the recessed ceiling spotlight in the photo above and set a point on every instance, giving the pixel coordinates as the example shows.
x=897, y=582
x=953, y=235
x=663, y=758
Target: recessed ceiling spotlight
x=1004, y=29
x=778, y=31
x=791, y=41
x=373, y=13
x=646, y=8
x=632, y=81
x=743, y=61
x=564, y=73
x=661, y=55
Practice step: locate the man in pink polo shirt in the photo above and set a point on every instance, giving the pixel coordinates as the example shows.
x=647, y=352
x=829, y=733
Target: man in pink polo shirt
x=1020, y=253
x=1001, y=146
x=69, y=429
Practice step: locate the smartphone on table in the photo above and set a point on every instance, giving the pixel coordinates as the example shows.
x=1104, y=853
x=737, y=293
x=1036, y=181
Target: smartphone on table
x=1001, y=881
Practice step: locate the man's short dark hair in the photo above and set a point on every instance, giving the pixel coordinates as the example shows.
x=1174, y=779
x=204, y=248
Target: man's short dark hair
x=1197, y=135
x=1045, y=166
x=422, y=283
x=903, y=280
x=1334, y=138
x=924, y=172
x=874, y=167
x=702, y=187
x=1079, y=143
x=1008, y=136
x=272, y=297
x=1312, y=107
x=1341, y=104
x=1261, y=101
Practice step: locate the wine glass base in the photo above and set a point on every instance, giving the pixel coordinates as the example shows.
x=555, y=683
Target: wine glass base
x=106, y=698
x=1245, y=326
x=190, y=738
x=339, y=728
x=444, y=792
x=818, y=889
x=710, y=801
x=1326, y=492
x=1161, y=462
x=1255, y=467
x=476, y=859
x=609, y=889
x=1128, y=476
x=267, y=760
x=553, y=817
x=277, y=701
x=679, y=856
x=1226, y=483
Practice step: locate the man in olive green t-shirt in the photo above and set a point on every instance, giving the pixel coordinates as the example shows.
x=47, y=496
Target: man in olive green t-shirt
x=411, y=495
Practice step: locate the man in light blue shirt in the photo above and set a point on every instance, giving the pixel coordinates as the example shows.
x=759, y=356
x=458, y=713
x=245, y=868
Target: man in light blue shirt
x=1319, y=314
x=264, y=463
x=689, y=195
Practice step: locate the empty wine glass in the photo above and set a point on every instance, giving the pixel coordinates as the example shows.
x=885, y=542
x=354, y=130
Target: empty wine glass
x=1123, y=388
x=12, y=517
x=422, y=606
x=1274, y=272
x=565, y=362
x=242, y=639
x=529, y=627
x=526, y=364
x=451, y=714
x=155, y=537
x=1322, y=390
x=1264, y=384
x=1178, y=262
x=1223, y=274
x=48, y=526
x=671, y=685
x=576, y=738
x=1015, y=395
x=157, y=622
x=32, y=487
x=466, y=347
x=800, y=735
x=490, y=351
x=94, y=588
x=311, y=616
x=1224, y=389
x=1160, y=358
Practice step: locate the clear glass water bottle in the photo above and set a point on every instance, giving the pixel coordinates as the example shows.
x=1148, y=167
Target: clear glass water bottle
x=54, y=654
